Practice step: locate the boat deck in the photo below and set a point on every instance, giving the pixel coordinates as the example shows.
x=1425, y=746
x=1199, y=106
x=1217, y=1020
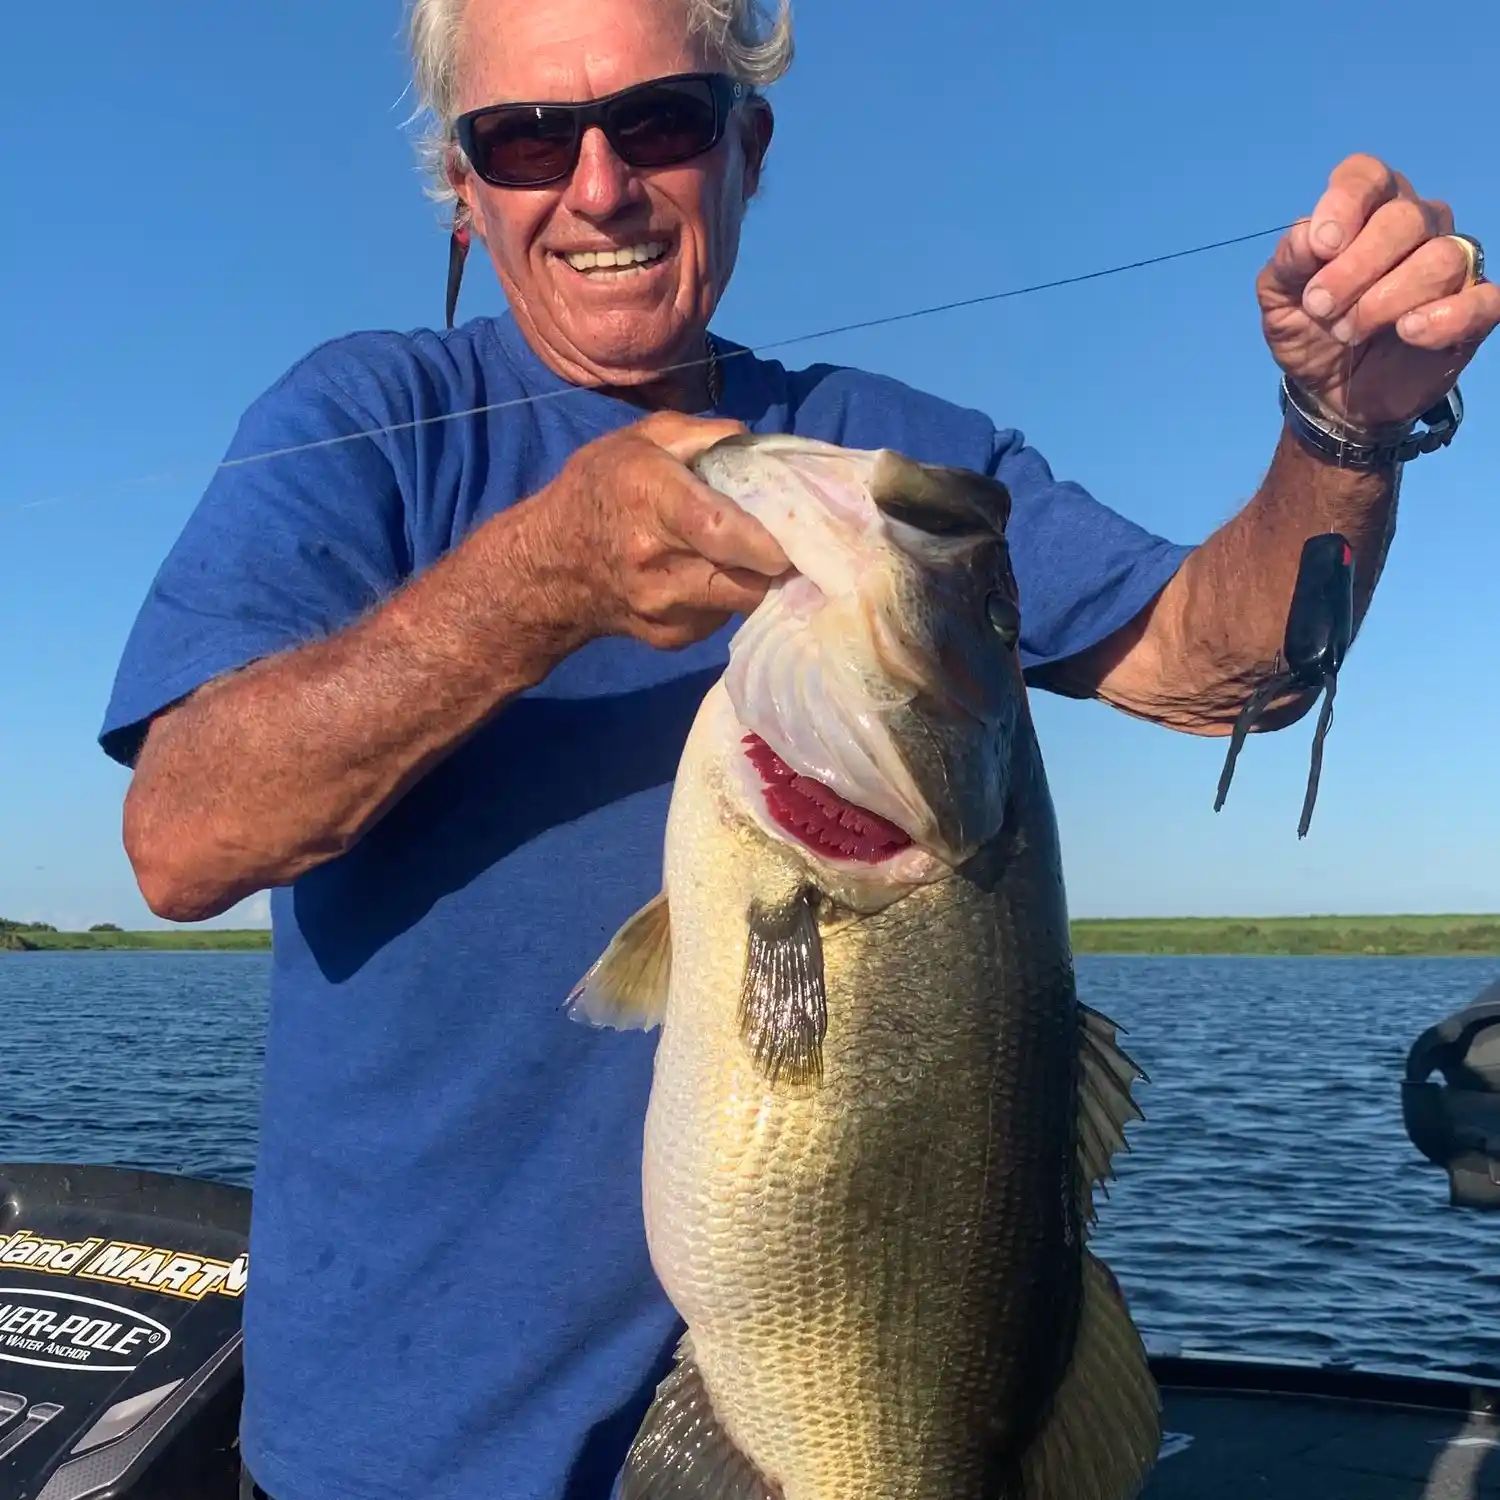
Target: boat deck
x=1234, y=1432
x=1239, y=1432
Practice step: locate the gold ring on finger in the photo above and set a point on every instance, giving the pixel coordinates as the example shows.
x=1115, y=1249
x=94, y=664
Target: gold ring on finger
x=1474, y=252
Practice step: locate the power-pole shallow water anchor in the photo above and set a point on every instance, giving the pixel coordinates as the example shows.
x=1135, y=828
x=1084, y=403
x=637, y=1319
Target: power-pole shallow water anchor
x=1319, y=627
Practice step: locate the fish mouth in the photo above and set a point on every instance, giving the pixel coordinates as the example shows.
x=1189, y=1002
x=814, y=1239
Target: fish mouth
x=816, y=816
x=877, y=706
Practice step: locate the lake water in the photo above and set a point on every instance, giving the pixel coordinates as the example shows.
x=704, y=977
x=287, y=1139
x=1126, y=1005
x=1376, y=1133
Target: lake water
x=1271, y=1204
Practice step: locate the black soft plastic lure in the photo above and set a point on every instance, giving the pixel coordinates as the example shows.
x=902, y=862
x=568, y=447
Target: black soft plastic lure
x=1319, y=627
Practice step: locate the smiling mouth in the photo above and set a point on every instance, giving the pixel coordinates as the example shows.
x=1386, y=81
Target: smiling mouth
x=626, y=260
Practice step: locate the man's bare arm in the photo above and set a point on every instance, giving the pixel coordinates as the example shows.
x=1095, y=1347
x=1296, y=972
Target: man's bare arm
x=263, y=774
x=1191, y=659
x=266, y=773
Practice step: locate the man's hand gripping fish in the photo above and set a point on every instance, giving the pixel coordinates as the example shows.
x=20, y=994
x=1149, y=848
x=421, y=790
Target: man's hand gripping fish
x=879, y=1110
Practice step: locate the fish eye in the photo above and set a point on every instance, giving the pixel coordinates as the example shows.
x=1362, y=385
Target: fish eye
x=1004, y=617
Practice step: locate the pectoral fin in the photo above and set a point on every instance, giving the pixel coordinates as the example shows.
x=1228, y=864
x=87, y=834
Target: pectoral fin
x=783, y=1002
x=681, y=1452
x=1104, y=1432
x=627, y=986
x=1105, y=1105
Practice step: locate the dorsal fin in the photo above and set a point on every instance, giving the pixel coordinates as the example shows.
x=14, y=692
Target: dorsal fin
x=1103, y=1434
x=1105, y=1105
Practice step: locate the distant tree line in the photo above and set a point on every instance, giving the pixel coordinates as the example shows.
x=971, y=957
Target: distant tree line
x=6, y=925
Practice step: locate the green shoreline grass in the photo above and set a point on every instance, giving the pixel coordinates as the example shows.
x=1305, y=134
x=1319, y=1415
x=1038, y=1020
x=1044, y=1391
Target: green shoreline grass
x=1325, y=936
x=166, y=940
x=1330, y=936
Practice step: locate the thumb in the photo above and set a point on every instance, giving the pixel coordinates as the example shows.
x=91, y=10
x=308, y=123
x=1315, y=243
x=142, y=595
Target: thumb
x=686, y=437
x=1292, y=266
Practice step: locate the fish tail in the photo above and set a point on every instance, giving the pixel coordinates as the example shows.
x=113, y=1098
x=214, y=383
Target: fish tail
x=1104, y=1431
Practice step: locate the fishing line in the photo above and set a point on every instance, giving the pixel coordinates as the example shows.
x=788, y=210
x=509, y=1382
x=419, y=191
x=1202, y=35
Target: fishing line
x=883, y=321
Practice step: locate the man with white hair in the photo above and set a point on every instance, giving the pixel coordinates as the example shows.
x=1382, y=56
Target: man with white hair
x=403, y=668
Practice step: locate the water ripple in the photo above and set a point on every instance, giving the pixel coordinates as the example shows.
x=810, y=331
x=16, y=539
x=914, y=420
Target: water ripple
x=142, y=1060
x=1270, y=1205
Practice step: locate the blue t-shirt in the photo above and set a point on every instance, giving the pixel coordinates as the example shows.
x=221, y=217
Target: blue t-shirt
x=450, y=1294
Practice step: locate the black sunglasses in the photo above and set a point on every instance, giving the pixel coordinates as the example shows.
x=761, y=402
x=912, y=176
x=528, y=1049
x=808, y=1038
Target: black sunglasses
x=660, y=123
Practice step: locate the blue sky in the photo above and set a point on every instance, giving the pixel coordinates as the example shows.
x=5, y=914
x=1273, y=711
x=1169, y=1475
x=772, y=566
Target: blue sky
x=199, y=193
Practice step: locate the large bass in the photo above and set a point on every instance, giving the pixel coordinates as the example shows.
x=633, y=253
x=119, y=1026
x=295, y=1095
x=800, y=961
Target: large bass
x=879, y=1111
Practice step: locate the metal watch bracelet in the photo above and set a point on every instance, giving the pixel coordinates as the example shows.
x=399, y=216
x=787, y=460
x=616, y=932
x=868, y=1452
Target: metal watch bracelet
x=1397, y=445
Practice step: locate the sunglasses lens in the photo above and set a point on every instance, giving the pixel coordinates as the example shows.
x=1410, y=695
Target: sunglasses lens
x=514, y=147
x=654, y=125
x=663, y=123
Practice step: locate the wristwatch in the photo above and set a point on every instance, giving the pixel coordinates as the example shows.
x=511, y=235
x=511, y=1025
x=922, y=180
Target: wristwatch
x=1397, y=444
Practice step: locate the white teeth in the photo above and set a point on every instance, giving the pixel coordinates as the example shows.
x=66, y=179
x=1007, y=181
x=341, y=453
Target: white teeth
x=624, y=259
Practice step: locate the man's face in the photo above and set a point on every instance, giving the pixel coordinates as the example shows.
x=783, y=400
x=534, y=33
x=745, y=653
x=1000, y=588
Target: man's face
x=618, y=326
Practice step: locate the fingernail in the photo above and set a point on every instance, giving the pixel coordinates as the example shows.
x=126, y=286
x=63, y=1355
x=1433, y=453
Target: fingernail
x=1412, y=323
x=1318, y=301
x=1343, y=330
x=1328, y=236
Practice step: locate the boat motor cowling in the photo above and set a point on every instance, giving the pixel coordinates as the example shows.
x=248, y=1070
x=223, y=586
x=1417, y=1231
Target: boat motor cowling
x=120, y=1297
x=1456, y=1123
